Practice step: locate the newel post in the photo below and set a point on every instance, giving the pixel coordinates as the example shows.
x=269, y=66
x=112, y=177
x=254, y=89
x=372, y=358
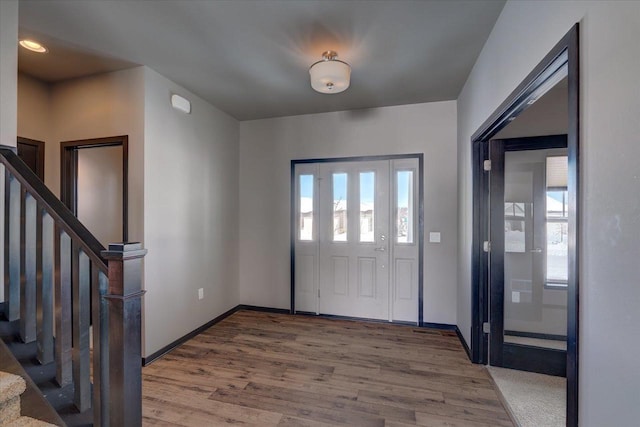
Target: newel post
x=124, y=305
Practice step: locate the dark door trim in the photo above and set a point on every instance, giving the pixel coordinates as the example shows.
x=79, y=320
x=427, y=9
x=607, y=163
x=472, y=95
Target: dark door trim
x=39, y=145
x=564, y=55
x=69, y=173
x=293, y=230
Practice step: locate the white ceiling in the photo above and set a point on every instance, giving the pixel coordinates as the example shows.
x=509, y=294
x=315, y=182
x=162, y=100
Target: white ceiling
x=250, y=58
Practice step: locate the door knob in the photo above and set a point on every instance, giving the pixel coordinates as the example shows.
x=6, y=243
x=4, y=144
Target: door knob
x=380, y=249
x=536, y=250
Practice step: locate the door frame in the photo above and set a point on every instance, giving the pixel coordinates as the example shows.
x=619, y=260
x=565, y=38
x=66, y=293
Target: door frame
x=515, y=356
x=564, y=54
x=69, y=173
x=293, y=216
x=40, y=147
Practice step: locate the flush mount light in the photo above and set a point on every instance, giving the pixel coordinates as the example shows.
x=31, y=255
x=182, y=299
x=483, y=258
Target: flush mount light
x=330, y=75
x=33, y=46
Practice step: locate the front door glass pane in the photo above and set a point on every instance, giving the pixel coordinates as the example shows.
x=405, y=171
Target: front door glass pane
x=404, y=207
x=339, y=207
x=367, y=206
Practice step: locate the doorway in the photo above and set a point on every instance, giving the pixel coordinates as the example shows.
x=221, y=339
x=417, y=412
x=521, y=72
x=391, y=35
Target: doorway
x=94, y=185
x=529, y=253
x=357, y=237
x=561, y=63
x=31, y=152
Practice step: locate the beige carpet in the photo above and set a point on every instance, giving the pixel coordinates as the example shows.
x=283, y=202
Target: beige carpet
x=535, y=400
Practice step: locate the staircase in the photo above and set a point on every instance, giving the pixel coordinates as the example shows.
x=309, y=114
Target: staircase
x=61, y=288
x=44, y=399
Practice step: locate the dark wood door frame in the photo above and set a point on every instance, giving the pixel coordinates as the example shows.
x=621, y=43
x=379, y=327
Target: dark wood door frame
x=39, y=146
x=69, y=173
x=564, y=57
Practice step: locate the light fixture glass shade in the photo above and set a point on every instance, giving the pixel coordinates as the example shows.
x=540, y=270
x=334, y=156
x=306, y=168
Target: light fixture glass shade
x=330, y=75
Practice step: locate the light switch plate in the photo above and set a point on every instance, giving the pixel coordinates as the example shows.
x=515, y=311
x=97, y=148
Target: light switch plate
x=434, y=237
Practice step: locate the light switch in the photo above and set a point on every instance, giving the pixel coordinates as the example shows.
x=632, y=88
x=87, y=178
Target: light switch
x=515, y=297
x=434, y=237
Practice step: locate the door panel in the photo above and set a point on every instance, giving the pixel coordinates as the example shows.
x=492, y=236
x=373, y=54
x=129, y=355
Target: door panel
x=32, y=153
x=354, y=228
x=528, y=320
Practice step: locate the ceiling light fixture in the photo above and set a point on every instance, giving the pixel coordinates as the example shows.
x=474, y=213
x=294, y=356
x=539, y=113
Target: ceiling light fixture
x=330, y=75
x=33, y=46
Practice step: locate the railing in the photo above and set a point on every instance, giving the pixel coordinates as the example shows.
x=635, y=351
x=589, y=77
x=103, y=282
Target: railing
x=58, y=276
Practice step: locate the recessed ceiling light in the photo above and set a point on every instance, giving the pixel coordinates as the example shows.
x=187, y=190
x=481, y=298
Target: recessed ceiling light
x=33, y=46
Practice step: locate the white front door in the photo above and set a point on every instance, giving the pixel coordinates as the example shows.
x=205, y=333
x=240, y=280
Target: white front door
x=354, y=233
x=356, y=246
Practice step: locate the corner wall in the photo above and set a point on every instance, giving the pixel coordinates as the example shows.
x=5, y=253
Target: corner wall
x=8, y=94
x=610, y=177
x=8, y=71
x=191, y=213
x=34, y=109
x=266, y=150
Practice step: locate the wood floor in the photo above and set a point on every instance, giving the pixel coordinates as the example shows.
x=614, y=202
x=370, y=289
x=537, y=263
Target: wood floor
x=266, y=369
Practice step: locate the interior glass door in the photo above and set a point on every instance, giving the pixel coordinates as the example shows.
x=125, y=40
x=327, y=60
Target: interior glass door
x=529, y=255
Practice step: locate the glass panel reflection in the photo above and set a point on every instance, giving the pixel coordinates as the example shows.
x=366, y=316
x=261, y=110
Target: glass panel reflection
x=305, y=224
x=367, y=206
x=404, y=207
x=339, y=207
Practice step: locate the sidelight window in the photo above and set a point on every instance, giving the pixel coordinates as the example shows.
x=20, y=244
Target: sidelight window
x=305, y=226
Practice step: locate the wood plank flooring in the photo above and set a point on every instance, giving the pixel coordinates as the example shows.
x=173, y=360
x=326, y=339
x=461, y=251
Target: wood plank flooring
x=267, y=369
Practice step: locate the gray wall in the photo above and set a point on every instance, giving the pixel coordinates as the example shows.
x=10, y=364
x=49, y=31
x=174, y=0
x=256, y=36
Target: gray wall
x=8, y=93
x=183, y=172
x=191, y=213
x=93, y=107
x=266, y=149
x=8, y=67
x=610, y=171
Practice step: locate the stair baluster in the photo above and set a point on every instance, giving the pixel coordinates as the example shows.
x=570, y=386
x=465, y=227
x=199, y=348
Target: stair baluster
x=55, y=269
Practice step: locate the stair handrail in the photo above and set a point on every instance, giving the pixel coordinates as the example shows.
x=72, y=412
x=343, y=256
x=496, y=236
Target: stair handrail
x=111, y=296
x=54, y=206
